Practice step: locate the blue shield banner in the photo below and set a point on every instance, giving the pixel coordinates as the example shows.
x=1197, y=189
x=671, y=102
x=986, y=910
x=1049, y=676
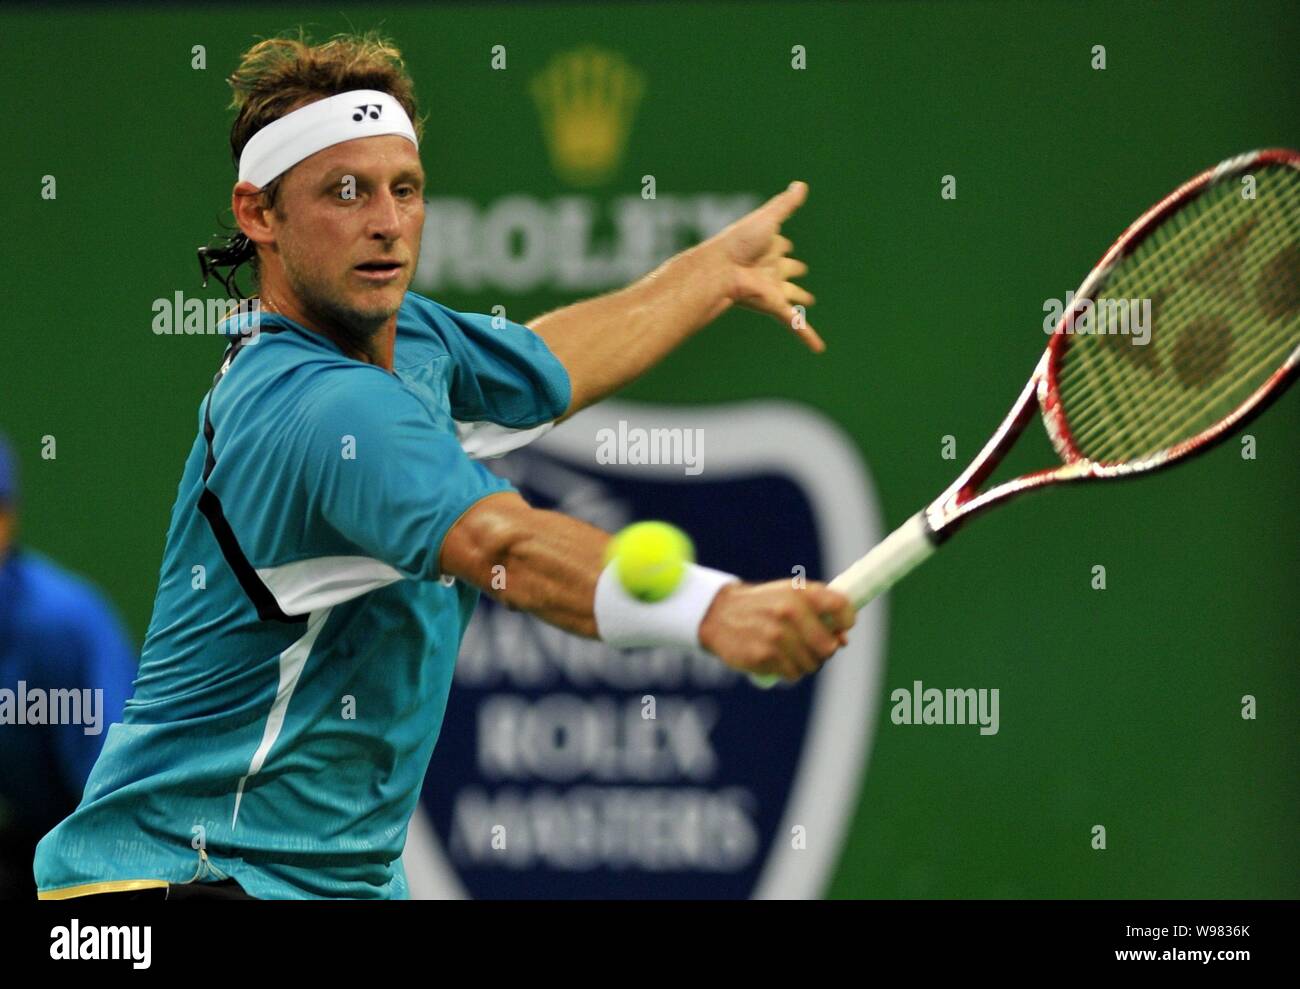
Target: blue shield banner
x=567, y=769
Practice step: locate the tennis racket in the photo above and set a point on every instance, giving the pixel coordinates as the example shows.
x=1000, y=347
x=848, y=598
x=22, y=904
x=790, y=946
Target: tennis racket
x=1218, y=261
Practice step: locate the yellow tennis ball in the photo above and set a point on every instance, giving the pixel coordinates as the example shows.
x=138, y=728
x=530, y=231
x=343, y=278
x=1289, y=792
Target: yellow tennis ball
x=650, y=558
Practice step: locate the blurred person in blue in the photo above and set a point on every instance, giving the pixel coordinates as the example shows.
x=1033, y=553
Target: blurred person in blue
x=66, y=667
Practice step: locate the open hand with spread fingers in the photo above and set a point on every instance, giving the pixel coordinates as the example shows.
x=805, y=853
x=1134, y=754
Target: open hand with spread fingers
x=761, y=270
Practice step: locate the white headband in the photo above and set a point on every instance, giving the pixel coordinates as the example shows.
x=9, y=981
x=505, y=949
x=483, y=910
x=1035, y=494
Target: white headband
x=283, y=143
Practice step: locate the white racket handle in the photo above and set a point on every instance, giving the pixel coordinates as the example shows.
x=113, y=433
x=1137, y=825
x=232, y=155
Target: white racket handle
x=892, y=559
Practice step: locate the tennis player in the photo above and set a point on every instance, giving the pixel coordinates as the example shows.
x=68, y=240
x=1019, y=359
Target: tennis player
x=296, y=670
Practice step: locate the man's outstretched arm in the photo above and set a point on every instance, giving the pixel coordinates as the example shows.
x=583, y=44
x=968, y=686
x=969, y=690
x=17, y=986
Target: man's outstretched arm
x=549, y=564
x=606, y=342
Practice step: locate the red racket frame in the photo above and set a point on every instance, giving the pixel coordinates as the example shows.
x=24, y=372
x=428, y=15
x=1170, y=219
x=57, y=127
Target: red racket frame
x=961, y=500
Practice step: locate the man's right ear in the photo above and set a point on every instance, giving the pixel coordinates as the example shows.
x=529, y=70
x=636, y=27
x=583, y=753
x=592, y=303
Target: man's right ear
x=249, y=208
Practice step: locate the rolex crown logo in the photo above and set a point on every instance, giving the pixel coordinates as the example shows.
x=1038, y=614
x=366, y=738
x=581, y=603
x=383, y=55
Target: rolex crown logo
x=587, y=99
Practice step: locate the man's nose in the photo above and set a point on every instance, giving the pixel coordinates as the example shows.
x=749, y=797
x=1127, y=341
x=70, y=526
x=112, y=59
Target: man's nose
x=384, y=219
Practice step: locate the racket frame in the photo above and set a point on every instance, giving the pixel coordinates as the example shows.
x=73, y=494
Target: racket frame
x=962, y=499
x=917, y=539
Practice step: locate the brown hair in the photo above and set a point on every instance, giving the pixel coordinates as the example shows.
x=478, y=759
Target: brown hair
x=278, y=75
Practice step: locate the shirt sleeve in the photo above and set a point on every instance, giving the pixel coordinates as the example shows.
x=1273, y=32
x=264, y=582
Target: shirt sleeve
x=503, y=372
x=385, y=476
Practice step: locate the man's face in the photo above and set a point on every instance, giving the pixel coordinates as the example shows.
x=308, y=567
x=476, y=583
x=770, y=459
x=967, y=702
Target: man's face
x=347, y=228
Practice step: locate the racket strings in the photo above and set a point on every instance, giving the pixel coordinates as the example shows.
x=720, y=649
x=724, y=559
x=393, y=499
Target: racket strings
x=1210, y=350
x=1213, y=277
x=1200, y=354
x=1158, y=259
x=1222, y=277
x=1200, y=351
x=1263, y=356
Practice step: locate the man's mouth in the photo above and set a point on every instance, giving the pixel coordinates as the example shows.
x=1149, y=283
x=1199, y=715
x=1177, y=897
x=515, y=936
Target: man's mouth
x=379, y=271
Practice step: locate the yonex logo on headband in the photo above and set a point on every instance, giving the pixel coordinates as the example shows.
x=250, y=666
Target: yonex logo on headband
x=283, y=143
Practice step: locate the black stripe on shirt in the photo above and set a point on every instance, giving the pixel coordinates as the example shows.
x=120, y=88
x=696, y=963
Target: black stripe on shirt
x=268, y=609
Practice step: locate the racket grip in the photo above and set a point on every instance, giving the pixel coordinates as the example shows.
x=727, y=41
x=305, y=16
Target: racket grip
x=892, y=559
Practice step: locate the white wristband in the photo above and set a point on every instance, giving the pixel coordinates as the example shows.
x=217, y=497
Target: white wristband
x=625, y=621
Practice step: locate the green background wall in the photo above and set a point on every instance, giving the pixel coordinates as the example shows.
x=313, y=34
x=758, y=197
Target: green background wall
x=1118, y=707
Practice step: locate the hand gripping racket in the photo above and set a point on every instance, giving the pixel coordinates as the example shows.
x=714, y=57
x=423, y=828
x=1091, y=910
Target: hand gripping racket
x=1218, y=261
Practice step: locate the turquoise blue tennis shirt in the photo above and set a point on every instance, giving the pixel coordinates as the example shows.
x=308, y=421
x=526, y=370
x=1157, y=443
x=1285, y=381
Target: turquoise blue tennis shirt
x=296, y=670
